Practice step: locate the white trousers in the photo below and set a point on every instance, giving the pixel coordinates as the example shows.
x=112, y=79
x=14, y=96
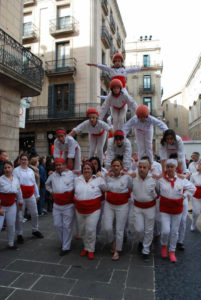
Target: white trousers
x=120, y=214
x=142, y=223
x=87, y=228
x=63, y=217
x=96, y=143
x=157, y=229
x=170, y=227
x=144, y=143
x=119, y=117
x=31, y=205
x=10, y=216
x=196, y=207
x=182, y=226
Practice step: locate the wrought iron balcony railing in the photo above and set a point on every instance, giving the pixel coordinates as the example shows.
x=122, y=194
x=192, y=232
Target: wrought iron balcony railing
x=62, y=25
x=15, y=57
x=76, y=111
x=105, y=37
x=113, y=50
x=147, y=89
x=56, y=67
x=29, y=31
x=112, y=24
x=104, y=4
x=118, y=40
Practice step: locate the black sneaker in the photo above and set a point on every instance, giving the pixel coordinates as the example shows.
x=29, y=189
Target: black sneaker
x=64, y=252
x=14, y=247
x=180, y=246
x=38, y=234
x=139, y=247
x=20, y=239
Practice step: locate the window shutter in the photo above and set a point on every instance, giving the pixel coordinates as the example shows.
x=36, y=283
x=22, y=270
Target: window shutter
x=71, y=97
x=51, y=104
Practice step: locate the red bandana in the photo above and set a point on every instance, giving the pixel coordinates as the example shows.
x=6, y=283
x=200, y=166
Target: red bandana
x=170, y=179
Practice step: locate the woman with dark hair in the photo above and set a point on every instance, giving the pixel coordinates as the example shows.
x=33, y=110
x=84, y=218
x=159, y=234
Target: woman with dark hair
x=10, y=192
x=172, y=143
x=87, y=198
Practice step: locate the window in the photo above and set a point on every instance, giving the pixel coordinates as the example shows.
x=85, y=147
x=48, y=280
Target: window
x=27, y=25
x=63, y=17
x=62, y=55
x=146, y=61
x=176, y=122
x=148, y=102
x=168, y=124
x=163, y=115
x=146, y=82
x=166, y=107
x=200, y=107
x=103, y=57
x=175, y=103
x=61, y=100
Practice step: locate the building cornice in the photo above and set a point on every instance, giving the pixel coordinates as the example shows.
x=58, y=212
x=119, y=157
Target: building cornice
x=120, y=18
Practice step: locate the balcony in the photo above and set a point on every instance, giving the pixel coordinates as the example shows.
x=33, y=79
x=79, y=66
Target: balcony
x=61, y=67
x=112, y=24
x=104, y=4
x=63, y=25
x=105, y=37
x=147, y=90
x=113, y=50
x=29, y=2
x=118, y=40
x=30, y=32
x=76, y=111
x=106, y=78
x=19, y=67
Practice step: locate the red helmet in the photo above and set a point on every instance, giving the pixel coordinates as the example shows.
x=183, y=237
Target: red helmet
x=116, y=82
x=92, y=110
x=117, y=56
x=142, y=111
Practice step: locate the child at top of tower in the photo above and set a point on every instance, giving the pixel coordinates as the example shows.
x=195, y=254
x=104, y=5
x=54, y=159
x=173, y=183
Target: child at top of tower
x=117, y=101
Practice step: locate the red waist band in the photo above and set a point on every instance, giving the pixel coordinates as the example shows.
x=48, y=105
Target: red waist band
x=98, y=134
x=171, y=206
x=122, y=79
x=7, y=199
x=197, y=192
x=144, y=204
x=117, y=198
x=63, y=198
x=27, y=191
x=87, y=206
x=116, y=107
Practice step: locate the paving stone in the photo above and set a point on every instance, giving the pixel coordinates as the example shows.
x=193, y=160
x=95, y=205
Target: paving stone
x=54, y=285
x=97, y=290
x=90, y=274
x=121, y=264
x=78, y=261
x=38, y=268
x=137, y=259
x=118, y=278
x=25, y=281
x=59, y=297
x=7, y=277
x=5, y=292
x=140, y=277
x=139, y=294
x=31, y=295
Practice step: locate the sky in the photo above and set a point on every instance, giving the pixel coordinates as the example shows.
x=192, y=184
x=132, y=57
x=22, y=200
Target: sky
x=176, y=23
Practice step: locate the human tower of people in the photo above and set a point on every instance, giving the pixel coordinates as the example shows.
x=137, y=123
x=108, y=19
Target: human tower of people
x=130, y=194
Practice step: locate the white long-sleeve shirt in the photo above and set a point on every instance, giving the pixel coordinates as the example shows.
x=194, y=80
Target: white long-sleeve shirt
x=26, y=177
x=121, y=184
x=177, y=192
x=176, y=147
x=193, y=166
x=117, y=102
x=67, y=149
x=196, y=179
x=118, y=71
x=150, y=121
x=144, y=190
x=89, y=190
x=86, y=126
x=60, y=183
x=11, y=187
x=113, y=151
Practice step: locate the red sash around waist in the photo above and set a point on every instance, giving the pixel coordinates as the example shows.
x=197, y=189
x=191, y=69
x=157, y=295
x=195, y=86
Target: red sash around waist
x=144, y=204
x=197, y=192
x=63, y=198
x=117, y=198
x=7, y=199
x=116, y=107
x=87, y=206
x=122, y=79
x=98, y=134
x=171, y=206
x=27, y=191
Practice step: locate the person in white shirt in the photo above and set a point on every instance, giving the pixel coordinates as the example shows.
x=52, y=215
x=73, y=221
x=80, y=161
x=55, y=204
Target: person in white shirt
x=119, y=185
x=117, y=102
x=61, y=185
x=142, y=216
x=97, y=131
x=10, y=199
x=30, y=196
x=87, y=198
x=196, y=199
x=194, y=164
x=143, y=124
x=119, y=146
x=172, y=190
x=66, y=147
